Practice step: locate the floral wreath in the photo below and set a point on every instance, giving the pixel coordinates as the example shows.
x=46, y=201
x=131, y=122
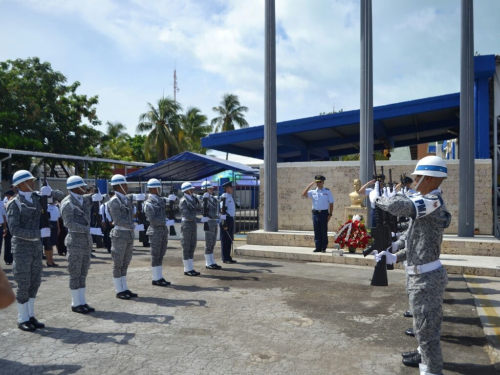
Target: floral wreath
x=353, y=234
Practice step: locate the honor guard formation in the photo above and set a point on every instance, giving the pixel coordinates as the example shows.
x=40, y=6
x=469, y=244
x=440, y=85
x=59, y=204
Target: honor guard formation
x=407, y=227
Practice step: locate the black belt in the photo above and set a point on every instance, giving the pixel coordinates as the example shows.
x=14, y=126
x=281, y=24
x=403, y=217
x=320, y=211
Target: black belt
x=318, y=211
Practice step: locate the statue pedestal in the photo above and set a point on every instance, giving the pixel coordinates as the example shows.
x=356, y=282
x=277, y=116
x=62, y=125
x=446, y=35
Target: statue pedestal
x=349, y=212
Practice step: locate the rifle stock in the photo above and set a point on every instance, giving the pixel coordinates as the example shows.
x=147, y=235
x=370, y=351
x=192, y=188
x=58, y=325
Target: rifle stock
x=171, y=213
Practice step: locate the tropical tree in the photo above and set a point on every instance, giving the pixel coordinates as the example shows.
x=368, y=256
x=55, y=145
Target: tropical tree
x=165, y=132
x=137, y=143
x=40, y=111
x=230, y=113
x=115, y=144
x=194, y=125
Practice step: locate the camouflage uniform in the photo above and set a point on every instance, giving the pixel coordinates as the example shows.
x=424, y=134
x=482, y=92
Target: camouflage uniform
x=23, y=218
x=76, y=217
x=121, y=209
x=188, y=209
x=211, y=234
x=425, y=290
x=155, y=210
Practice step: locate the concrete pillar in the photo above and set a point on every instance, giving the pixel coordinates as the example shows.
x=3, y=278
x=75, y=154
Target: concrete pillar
x=270, y=138
x=366, y=105
x=467, y=138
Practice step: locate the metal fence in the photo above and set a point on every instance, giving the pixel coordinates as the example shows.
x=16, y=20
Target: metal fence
x=246, y=198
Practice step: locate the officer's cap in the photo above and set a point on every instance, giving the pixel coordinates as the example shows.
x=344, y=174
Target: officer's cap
x=227, y=184
x=319, y=178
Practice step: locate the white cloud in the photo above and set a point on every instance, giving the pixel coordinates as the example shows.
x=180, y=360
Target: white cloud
x=219, y=48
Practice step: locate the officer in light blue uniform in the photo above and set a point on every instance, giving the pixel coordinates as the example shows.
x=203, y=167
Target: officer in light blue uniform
x=322, y=208
x=228, y=212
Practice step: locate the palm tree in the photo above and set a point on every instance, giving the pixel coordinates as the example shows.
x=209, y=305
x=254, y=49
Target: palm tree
x=195, y=127
x=116, y=143
x=166, y=135
x=230, y=112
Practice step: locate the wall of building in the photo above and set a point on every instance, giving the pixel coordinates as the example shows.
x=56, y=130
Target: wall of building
x=295, y=211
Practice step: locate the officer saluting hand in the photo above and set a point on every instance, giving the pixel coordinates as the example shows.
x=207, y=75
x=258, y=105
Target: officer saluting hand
x=322, y=208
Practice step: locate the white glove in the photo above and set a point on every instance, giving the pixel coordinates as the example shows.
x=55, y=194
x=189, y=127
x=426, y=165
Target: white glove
x=223, y=217
x=204, y=219
x=139, y=227
x=140, y=197
x=46, y=190
x=391, y=193
x=374, y=194
x=397, y=235
x=385, y=192
x=393, y=248
x=96, y=231
x=206, y=195
x=172, y=197
x=97, y=197
x=390, y=258
x=170, y=223
x=45, y=232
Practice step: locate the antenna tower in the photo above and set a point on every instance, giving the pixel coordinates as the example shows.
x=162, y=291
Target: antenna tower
x=176, y=89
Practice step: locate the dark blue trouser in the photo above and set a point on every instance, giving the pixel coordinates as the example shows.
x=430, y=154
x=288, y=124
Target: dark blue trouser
x=226, y=238
x=320, y=224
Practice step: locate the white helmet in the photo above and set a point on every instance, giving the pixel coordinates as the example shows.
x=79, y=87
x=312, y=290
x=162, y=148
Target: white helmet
x=21, y=176
x=432, y=166
x=186, y=186
x=118, y=179
x=74, y=182
x=206, y=185
x=154, y=184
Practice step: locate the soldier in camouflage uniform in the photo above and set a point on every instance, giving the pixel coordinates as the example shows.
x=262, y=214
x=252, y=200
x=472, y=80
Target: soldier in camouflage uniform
x=75, y=211
x=210, y=216
x=156, y=215
x=427, y=278
x=188, y=205
x=23, y=217
x=121, y=209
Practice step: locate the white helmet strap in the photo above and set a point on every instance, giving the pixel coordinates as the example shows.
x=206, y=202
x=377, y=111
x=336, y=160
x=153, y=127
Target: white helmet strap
x=419, y=182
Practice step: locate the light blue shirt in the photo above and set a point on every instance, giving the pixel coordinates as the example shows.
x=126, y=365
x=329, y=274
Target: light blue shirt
x=321, y=199
x=230, y=206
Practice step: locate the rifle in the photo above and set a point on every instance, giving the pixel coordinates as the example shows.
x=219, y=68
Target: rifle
x=96, y=221
x=391, y=219
x=141, y=217
x=45, y=218
x=381, y=235
x=224, y=212
x=170, y=209
x=205, y=212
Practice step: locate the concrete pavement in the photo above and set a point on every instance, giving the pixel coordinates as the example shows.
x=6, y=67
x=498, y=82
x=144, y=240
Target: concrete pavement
x=259, y=316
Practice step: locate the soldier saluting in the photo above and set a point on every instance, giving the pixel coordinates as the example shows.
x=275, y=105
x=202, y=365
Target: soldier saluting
x=427, y=277
x=322, y=208
x=155, y=210
x=188, y=205
x=23, y=217
x=75, y=211
x=121, y=209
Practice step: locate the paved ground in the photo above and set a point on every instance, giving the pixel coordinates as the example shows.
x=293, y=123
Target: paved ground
x=254, y=317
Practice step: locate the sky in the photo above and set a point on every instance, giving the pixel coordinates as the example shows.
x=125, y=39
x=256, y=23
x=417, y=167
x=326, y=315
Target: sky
x=125, y=51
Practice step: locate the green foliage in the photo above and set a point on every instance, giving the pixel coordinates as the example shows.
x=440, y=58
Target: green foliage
x=164, y=125
x=195, y=127
x=230, y=113
x=39, y=111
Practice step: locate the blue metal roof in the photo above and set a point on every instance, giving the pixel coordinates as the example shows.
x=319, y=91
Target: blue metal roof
x=322, y=137
x=188, y=166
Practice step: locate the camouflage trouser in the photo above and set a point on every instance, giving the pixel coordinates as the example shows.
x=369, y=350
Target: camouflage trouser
x=188, y=239
x=158, y=241
x=27, y=268
x=121, y=251
x=211, y=237
x=426, y=303
x=79, y=249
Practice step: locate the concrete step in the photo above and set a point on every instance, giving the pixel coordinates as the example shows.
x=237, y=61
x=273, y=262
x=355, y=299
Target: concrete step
x=454, y=264
x=452, y=244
